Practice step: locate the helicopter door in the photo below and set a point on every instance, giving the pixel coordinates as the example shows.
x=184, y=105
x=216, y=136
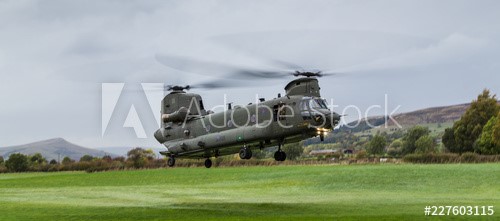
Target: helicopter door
x=279, y=111
x=275, y=113
x=282, y=111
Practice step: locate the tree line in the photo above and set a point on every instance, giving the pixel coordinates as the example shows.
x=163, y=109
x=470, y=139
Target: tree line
x=136, y=158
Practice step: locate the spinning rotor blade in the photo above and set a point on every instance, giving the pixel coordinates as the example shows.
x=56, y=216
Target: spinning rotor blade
x=212, y=68
x=216, y=84
x=286, y=64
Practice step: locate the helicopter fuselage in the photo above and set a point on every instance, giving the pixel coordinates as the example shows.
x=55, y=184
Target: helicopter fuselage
x=189, y=131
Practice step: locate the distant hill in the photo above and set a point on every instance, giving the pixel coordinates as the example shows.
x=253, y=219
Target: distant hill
x=430, y=115
x=122, y=151
x=433, y=115
x=52, y=149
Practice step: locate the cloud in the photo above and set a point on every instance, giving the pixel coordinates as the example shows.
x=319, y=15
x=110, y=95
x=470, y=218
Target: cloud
x=54, y=54
x=453, y=49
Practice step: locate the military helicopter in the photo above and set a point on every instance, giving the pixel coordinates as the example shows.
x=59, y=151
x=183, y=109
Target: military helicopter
x=189, y=131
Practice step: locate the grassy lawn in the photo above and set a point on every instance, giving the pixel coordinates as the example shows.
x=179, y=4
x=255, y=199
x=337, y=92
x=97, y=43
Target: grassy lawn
x=387, y=192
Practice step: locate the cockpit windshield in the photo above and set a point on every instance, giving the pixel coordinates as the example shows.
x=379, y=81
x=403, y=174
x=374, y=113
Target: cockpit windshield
x=318, y=104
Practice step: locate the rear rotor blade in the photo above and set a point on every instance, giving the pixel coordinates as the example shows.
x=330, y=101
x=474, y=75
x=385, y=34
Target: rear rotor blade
x=212, y=68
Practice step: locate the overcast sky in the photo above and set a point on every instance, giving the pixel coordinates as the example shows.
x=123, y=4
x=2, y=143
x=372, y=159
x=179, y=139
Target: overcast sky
x=54, y=55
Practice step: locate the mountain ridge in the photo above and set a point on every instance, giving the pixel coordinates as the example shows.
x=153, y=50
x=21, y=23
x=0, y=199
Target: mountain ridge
x=430, y=115
x=55, y=148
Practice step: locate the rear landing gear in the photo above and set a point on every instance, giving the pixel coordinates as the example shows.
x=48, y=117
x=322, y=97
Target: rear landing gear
x=280, y=155
x=171, y=161
x=245, y=153
x=208, y=163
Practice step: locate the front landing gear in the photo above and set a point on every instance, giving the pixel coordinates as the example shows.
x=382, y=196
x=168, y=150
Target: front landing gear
x=245, y=153
x=280, y=155
x=171, y=161
x=208, y=163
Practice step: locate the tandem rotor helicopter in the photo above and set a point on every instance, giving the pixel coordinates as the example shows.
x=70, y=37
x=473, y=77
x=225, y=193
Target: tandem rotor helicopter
x=189, y=131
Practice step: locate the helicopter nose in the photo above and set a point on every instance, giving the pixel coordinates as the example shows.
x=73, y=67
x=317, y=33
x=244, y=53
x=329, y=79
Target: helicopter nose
x=329, y=119
x=334, y=119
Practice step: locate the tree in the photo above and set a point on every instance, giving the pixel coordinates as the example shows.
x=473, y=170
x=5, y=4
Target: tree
x=467, y=130
x=425, y=144
x=377, y=145
x=86, y=158
x=107, y=158
x=66, y=160
x=294, y=150
x=411, y=137
x=496, y=131
x=17, y=162
x=53, y=162
x=448, y=140
x=1, y=159
x=139, y=157
x=486, y=143
x=37, y=159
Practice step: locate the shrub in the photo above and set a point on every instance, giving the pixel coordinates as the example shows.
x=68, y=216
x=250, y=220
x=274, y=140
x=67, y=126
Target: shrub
x=450, y=158
x=361, y=154
x=425, y=158
x=469, y=157
x=3, y=169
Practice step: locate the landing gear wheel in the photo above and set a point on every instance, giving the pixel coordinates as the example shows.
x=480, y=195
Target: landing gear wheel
x=277, y=155
x=249, y=154
x=171, y=161
x=208, y=163
x=283, y=156
x=280, y=155
x=245, y=153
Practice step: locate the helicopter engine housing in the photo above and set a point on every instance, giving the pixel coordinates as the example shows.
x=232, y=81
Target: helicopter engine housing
x=175, y=117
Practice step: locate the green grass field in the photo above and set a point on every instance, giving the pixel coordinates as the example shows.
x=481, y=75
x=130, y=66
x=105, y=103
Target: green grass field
x=382, y=192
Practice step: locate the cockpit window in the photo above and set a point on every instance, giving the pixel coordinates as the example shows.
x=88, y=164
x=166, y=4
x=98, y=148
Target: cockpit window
x=318, y=104
x=304, y=105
